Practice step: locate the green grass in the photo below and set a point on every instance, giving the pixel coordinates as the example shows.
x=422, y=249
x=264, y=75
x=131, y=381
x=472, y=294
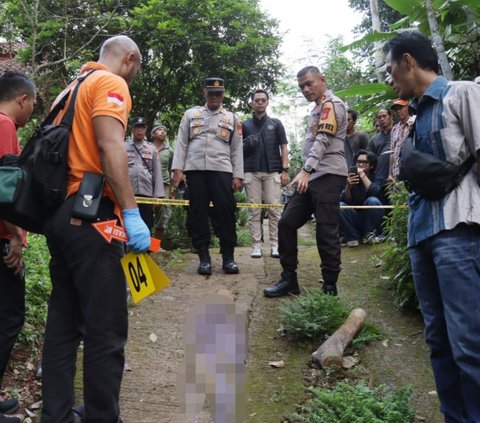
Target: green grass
x=357, y=404
x=37, y=291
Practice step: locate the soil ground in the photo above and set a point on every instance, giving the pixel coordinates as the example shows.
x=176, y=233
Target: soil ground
x=401, y=358
x=148, y=389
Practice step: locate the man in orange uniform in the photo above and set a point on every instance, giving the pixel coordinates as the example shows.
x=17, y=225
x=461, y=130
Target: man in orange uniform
x=88, y=297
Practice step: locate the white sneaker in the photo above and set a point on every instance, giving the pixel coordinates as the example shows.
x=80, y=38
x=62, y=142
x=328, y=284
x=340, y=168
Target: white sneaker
x=274, y=252
x=256, y=252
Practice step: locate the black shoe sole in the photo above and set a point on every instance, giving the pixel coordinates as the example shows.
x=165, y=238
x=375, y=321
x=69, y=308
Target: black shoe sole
x=231, y=272
x=280, y=294
x=204, y=272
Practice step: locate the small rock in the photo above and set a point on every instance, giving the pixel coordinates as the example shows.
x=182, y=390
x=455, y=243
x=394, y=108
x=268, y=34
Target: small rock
x=153, y=337
x=36, y=405
x=277, y=364
x=29, y=413
x=432, y=393
x=350, y=361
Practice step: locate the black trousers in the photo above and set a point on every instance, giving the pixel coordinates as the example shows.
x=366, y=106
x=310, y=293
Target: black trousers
x=203, y=187
x=322, y=199
x=12, y=310
x=88, y=302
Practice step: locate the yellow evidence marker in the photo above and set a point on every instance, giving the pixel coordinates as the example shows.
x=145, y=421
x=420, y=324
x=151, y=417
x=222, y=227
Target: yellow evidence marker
x=143, y=275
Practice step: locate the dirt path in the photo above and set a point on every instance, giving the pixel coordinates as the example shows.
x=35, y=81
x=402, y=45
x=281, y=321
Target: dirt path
x=148, y=391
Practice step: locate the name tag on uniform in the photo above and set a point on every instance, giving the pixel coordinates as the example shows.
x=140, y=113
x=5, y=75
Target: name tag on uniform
x=143, y=275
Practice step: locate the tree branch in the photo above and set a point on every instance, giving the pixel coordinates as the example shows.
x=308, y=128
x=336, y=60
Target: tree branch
x=74, y=54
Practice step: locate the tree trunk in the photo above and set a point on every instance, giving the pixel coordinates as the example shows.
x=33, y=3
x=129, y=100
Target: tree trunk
x=379, y=56
x=437, y=40
x=330, y=353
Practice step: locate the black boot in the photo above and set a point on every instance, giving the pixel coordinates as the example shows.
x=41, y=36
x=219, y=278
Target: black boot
x=329, y=286
x=330, y=289
x=205, y=266
x=228, y=263
x=287, y=284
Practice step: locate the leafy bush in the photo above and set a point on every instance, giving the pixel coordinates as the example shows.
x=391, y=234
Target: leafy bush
x=313, y=316
x=396, y=259
x=37, y=290
x=357, y=404
x=176, y=233
x=241, y=214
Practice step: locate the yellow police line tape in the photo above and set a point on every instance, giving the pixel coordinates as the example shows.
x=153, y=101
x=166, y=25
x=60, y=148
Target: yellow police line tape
x=168, y=202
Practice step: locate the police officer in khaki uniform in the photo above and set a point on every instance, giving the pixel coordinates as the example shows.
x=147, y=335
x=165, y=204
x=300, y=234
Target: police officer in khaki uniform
x=144, y=168
x=318, y=187
x=209, y=152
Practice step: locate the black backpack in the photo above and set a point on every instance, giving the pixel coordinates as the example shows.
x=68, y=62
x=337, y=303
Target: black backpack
x=41, y=170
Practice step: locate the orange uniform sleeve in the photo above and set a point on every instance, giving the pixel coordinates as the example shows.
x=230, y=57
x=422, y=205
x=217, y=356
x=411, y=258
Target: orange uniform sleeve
x=111, y=97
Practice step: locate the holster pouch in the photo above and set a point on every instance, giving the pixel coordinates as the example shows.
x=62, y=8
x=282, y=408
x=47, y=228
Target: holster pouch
x=87, y=199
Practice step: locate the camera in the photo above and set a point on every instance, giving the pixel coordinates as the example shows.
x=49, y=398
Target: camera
x=353, y=170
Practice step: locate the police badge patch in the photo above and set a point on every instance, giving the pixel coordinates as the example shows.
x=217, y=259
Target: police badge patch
x=328, y=120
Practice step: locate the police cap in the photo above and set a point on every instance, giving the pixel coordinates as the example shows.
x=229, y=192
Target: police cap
x=138, y=121
x=213, y=84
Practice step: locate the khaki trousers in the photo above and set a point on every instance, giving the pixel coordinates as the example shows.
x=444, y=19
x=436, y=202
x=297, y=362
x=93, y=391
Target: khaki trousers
x=263, y=187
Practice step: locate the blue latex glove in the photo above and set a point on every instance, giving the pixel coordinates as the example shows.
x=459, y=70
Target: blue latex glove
x=137, y=232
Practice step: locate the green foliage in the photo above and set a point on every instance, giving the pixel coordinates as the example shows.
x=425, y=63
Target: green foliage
x=357, y=404
x=395, y=257
x=27, y=131
x=458, y=23
x=37, y=290
x=241, y=214
x=234, y=40
x=315, y=316
x=176, y=234
x=295, y=158
x=181, y=41
x=368, y=334
x=388, y=15
x=312, y=317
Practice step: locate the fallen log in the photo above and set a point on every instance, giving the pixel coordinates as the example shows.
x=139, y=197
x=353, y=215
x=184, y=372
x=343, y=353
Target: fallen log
x=330, y=353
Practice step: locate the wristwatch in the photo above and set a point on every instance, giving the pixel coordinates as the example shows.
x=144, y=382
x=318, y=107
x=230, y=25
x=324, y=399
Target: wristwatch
x=308, y=169
x=285, y=169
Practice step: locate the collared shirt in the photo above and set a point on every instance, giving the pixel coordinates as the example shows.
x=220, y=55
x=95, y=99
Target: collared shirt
x=144, y=169
x=209, y=140
x=448, y=127
x=324, y=145
x=399, y=134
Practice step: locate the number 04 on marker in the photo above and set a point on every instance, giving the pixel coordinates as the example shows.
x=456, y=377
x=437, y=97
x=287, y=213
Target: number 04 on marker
x=143, y=275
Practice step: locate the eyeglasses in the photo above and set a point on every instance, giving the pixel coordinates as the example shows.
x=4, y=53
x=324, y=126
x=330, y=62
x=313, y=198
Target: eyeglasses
x=361, y=162
x=260, y=100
